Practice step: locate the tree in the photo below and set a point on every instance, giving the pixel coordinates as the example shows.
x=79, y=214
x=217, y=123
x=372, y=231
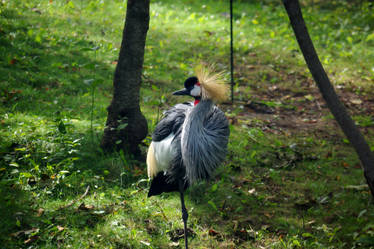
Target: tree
x=327, y=90
x=126, y=126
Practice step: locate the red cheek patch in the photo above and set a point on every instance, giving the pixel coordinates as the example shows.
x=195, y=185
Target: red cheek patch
x=196, y=101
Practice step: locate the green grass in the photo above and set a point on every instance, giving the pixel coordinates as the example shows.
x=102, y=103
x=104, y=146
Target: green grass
x=290, y=180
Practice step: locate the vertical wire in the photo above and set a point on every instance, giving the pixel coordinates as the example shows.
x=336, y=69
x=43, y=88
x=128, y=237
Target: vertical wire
x=231, y=55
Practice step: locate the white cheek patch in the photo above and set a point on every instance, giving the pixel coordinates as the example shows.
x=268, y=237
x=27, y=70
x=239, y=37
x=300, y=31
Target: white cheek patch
x=196, y=91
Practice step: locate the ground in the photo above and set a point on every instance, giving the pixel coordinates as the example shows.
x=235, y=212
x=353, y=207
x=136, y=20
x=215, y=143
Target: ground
x=290, y=180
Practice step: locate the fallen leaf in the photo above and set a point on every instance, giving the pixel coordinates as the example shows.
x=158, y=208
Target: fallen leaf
x=357, y=166
x=151, y=228
x=356, y=101
x=309, y=97
x=99, y=212
x=357, y=187
x=209, y=33
x=13, y=61
x=286, y=97
x=174, y=244
x=25, y=232
x=330, y=219
x=310, y=222
x=213, y=232
x=268, y=215
x=31, y=239
x=40, y=212
x=33, y=230
x=145, y=243
x=16, y=234
x=252, y=191
x=84, y=207
x=274, y=87
x=264, y=227
x=233, y=120
x=36, y=10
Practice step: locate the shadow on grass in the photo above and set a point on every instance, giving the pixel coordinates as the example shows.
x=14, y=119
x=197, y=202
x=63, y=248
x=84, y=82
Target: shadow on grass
x=39, y=68
x=62, y=188
x=245, y=208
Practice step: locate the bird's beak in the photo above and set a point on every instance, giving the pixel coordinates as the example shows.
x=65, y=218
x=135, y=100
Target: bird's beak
x=182, y=92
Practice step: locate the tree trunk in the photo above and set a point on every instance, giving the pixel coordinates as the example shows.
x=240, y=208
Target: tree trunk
x=126, y=126
x=327, y=90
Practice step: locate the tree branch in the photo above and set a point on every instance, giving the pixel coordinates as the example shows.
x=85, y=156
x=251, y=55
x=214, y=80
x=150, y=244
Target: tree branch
x=327, y=90
x=76, y=200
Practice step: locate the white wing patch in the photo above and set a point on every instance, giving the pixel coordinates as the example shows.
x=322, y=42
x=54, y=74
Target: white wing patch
x=151, y=162
x=163, y=153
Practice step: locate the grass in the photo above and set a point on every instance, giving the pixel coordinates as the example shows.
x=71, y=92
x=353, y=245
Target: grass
x=290, y=180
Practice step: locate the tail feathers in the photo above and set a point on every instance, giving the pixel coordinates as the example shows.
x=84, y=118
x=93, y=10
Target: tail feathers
x=160, y=184
x=151, y=162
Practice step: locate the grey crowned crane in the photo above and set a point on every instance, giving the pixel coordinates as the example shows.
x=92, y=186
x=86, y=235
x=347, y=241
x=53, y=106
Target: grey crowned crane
x=190, y=142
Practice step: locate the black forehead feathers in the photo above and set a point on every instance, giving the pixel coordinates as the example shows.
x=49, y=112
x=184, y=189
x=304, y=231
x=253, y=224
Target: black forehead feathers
x=190, y=82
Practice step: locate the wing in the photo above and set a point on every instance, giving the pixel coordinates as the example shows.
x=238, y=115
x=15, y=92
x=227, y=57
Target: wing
x=164, y=151
x=172, y=121
x=164, y=160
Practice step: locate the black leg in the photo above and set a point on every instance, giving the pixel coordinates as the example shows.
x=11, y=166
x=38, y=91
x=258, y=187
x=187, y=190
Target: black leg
x=184, y=212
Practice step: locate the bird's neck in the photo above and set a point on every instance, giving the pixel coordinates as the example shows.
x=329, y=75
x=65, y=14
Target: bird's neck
x=201, y=110
x=197, y=101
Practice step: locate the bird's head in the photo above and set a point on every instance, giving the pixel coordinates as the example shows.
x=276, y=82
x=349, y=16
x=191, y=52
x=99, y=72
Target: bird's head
x=206, y=85
x=192, y=88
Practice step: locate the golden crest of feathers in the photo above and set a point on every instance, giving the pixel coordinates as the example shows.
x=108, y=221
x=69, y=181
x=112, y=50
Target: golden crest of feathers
x=213, y=85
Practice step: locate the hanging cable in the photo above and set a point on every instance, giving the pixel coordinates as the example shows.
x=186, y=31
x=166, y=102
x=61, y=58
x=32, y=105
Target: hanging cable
x=231, y=55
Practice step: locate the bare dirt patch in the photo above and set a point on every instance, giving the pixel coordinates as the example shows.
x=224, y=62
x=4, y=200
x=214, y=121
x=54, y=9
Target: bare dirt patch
x=283, y=102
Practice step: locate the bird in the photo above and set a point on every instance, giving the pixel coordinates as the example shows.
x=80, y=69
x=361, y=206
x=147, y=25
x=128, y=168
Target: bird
x=191, y=139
